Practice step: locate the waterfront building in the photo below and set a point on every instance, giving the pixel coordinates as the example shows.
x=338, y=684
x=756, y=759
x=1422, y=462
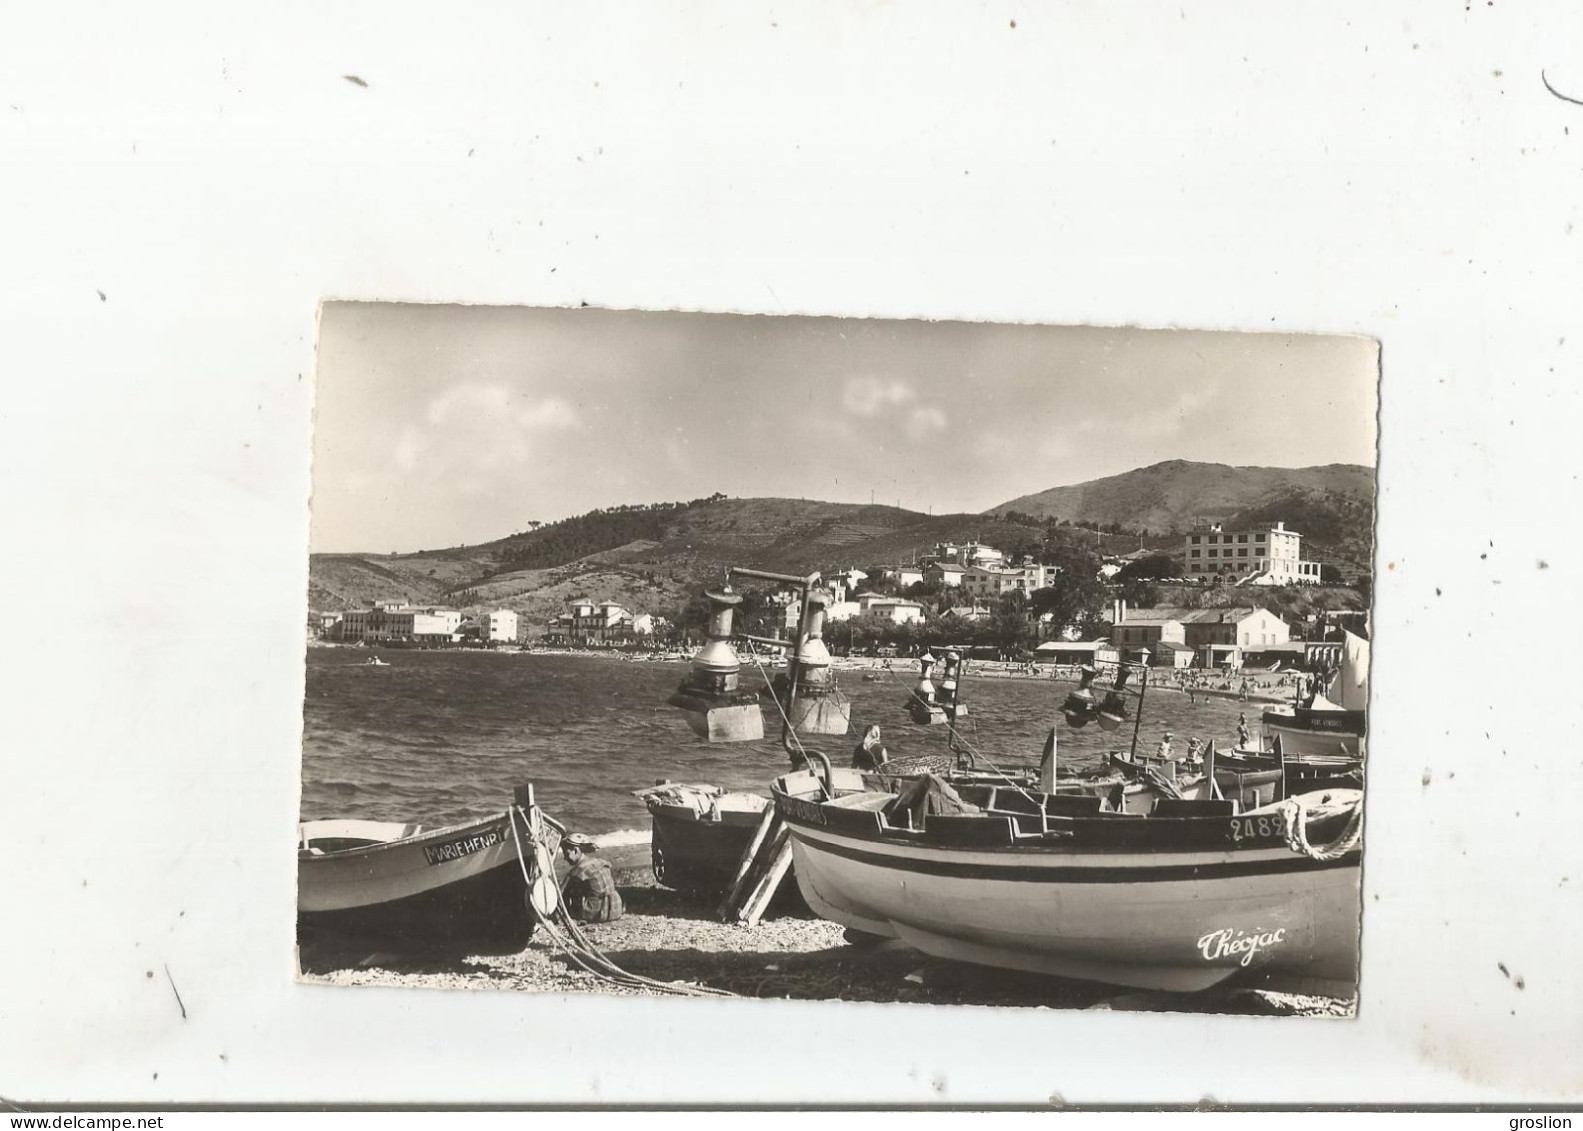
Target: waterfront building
x=1077, y=652
x=605, y=624
x=1267, y=554
x=498, y=627
x=1216, y=637
x=404, y=623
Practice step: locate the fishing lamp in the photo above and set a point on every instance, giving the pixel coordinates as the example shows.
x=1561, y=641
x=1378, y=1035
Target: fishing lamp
x=1080, y=706
x=819, y=707
x=1114, y=710
x=710, y=696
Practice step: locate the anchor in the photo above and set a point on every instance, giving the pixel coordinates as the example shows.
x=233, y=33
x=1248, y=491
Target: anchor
x=710, y=697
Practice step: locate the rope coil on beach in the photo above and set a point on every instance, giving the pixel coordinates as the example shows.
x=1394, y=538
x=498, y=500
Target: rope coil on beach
x=1295, y=812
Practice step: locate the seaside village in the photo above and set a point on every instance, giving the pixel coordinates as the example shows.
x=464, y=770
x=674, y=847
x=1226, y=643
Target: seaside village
x=866, y=611
x=1101, y=864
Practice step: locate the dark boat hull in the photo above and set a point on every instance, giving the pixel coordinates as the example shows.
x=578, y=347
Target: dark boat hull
x=694, y=854
x=486, y=912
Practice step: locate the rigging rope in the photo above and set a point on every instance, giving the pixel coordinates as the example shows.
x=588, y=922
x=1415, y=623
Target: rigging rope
x=580, y=949
x=1296, y=812
x=951, y=728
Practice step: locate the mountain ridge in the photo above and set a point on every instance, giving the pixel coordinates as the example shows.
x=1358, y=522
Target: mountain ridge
x=648, y=555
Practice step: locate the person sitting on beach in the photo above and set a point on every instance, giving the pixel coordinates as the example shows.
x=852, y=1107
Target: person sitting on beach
x=869, y=754
x=590, y=886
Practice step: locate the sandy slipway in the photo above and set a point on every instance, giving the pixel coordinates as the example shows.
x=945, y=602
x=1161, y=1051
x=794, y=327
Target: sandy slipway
x=675, y=938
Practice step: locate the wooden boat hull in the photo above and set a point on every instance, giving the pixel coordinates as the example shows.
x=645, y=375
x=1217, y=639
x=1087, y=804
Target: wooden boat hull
x=1303, y=732
x=1162, y=920
x=694, y=853
x=402, y=887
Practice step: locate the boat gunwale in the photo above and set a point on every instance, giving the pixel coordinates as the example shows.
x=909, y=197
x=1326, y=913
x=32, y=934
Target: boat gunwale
x=1064, y=836
x=424, y=836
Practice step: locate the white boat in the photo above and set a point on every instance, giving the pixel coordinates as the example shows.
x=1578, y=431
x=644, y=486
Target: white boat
x=1333, y=725
x=407, y=885
x=1181, y=900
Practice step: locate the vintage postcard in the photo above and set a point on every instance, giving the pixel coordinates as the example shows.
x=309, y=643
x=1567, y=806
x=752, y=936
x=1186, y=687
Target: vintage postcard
x=796, y=657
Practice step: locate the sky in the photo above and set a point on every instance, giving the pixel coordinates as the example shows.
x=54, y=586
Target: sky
x=438, y=426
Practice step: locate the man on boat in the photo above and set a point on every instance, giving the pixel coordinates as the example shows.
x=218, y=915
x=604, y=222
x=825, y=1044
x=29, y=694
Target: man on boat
x=1242, y=730
x=590, y=886
x=1165, y=754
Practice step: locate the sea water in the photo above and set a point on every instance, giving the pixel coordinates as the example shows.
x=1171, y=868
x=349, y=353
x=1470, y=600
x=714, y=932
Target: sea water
x=442, y=736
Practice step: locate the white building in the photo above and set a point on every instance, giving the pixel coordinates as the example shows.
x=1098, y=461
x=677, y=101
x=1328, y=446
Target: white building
x=903, y=575
x=947, y=575
x=1215, y=637
x=430, y=625
x=967, y=553
x=499, y=626
x=889, y=608
x=1260, y=555
x=995, y=580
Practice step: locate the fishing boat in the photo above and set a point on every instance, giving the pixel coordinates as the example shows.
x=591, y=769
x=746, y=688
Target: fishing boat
x=1333, y=724
x=1182, y=899
x=699, y=833
x=410, y=886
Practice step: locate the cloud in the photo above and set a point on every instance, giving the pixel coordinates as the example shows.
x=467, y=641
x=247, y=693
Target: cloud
x=478, y=427
x=925, y=421
x=868, y=396
x=502, y=405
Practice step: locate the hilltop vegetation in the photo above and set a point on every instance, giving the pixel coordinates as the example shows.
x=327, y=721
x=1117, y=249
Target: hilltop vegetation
x=654, y=557
x=1332, y=506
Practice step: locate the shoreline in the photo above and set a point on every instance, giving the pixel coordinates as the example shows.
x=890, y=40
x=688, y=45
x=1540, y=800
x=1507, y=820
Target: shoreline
x=902, y=668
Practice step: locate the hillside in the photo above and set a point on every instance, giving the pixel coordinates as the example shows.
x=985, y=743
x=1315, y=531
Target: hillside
x=1176, y=495
x=645, y=557
x=648, y=556
x=1332, y=506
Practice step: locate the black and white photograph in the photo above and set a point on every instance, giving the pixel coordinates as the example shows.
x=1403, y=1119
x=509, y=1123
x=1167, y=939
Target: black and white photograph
x=711, y=556
x=838, y=659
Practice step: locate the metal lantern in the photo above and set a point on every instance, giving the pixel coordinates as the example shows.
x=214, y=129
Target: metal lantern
x=710, y=697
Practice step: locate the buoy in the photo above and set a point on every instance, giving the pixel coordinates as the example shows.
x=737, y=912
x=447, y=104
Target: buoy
x=710, y=697
x=923, y=705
